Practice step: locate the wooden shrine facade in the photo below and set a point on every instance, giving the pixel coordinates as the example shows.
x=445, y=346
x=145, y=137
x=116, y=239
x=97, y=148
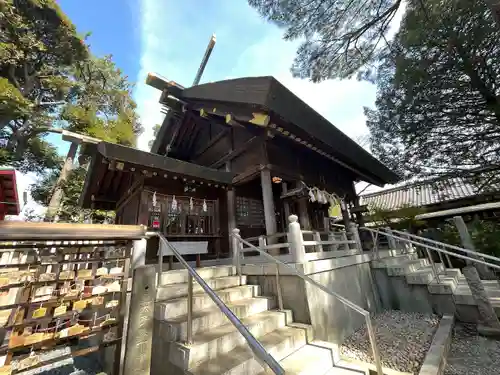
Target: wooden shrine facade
x=234, y=153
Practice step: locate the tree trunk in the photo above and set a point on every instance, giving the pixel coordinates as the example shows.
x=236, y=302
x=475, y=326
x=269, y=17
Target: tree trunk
x=494, y=6
x=57, y=196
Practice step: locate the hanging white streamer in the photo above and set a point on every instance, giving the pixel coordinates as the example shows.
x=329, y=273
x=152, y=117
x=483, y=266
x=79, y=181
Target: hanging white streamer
x=174, y=203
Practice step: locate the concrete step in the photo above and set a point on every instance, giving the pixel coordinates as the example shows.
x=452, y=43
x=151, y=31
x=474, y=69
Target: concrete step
x=220, y=340
x=178, y=306
x=241, y=361
x=175, y=329
x=446, y=285
x=406, y=267
x=308, y=360
x=181, y=275
x=166, y=292
x=448, y=281
x=393, y=260
x=463, y=295
x=424, y=275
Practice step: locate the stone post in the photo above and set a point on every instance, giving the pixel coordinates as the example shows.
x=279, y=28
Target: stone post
x=484, y=272
x=489, y=323
x=237, y=245
x=317, y=238
x=137, y=359
x=139, y=253
x=353, y=228
x=262, y=241
x=295, y=239
x=391, y=240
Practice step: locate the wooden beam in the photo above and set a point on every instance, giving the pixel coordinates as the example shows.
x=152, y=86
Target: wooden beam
x=106, y=183
x=236, y=152
x=145, y=160
x=116, y=183
x=213, y=141
x=248, y=175
x=130, y=193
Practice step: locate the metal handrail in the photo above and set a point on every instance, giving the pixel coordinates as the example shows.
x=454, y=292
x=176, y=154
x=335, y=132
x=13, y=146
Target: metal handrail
x=304, y=277
x=453, y=247
x=256, y=347
x=440, y=250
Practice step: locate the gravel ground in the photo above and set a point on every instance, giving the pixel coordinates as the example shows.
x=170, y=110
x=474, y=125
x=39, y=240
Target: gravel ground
x=471, y=354
x=403, y=340
x=84, y=365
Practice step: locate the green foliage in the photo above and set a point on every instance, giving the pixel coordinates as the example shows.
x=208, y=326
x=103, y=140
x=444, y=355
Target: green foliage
x=49, y=79
x=437, y=108
x=156, y=129
x=485, y=235
x=38, y=47
x=102, y=107
x=402, y=218
x=341, y=36
x=69, y=210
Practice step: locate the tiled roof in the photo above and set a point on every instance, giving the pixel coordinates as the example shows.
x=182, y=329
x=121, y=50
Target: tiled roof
x=425, y=194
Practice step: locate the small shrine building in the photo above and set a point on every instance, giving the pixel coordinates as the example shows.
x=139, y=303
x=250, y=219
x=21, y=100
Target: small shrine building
x=242, y=153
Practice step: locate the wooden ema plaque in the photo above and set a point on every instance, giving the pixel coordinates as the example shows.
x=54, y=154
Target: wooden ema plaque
x=62, y=295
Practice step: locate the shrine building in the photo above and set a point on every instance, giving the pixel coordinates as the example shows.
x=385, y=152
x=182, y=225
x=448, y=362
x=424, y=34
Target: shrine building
x=242, y=153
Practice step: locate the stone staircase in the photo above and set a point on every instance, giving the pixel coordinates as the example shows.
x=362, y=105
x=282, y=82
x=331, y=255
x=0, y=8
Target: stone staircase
x=406, y=282
x=217, y=347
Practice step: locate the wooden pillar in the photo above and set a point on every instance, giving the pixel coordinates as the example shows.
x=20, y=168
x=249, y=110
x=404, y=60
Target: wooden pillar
x=303, y=214
x=268, y=200
x=286, y=205
x=231, y=208
x=305, y=223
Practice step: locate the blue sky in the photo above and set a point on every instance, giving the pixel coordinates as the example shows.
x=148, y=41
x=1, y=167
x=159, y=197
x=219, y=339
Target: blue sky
x=169, y=37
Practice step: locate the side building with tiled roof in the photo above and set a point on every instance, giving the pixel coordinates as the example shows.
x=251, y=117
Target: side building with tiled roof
x=439, y=198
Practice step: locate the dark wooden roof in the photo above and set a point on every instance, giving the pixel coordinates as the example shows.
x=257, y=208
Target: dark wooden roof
x=114, y=168
x=9, y=189
x=268, y=95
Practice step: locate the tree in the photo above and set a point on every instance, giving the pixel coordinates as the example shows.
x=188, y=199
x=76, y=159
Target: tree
x=69, y=210
x=438, y=104
x=342, y=37
x=102, y=108
x=438, y=108
x=156, y=129
x=38, y=49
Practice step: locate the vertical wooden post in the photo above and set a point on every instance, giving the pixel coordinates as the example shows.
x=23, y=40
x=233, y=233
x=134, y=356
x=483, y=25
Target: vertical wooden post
x=268, y=200
x=137, y=359
x=295, y=239
x=484, y=272
x=304, y=214
x=231, y=202
x=286, y=205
